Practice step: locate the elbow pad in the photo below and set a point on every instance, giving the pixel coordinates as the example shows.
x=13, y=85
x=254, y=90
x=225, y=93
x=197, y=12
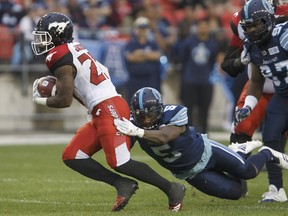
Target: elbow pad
x=229, y=67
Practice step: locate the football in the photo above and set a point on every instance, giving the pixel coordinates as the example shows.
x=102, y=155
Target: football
x=47, y=86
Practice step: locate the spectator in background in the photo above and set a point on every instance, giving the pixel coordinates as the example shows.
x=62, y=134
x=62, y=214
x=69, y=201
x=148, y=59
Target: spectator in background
x=226, y=83
x=142, y=59
x=186, y=27
x=162, y=32
x=120, y=16
x=22, y=52
x=96, y=13
x=76, y=12
x=198, y=57
x=10, y=13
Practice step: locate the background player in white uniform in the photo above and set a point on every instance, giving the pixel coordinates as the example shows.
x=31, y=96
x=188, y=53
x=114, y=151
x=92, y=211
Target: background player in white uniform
x=81, y=76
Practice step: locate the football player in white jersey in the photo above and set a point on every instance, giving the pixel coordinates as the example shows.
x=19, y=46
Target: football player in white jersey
x=82, y=77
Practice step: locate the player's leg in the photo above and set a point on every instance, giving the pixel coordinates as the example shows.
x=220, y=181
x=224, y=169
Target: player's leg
x=218, y=184
x=275, y=125
x=117, y=150
x=230, y=185
x=77, y=156
x=226, y=160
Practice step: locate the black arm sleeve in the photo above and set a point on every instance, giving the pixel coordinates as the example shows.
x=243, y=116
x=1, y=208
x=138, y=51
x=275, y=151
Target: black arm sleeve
x=231, y=63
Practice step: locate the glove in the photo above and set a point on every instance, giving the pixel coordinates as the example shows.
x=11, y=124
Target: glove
x=245, y=57
x=128, y=128
x=242, y=114
x=36, y=96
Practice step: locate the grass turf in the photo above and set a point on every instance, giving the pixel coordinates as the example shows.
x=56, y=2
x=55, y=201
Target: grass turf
x=34, y=181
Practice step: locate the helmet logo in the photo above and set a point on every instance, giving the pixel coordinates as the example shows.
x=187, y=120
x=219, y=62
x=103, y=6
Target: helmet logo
x=268, y=6
x=60, y=26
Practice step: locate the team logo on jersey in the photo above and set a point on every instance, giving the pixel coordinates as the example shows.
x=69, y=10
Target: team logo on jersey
x=268, y=6
x=273, y=50
x=49, y=57
x=59, y=26
x=264, y=52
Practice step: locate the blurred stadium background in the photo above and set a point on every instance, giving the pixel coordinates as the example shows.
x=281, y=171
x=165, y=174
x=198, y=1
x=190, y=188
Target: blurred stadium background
x=19, y=114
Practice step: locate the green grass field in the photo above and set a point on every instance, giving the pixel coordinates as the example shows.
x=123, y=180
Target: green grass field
x=34, y=181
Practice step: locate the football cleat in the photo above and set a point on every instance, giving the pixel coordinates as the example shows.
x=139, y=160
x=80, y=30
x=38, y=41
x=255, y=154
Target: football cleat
x=273, y=195
x=246, y=147
x=176, y=196
x=125, y=191
x=176, y=207
x=279, y=158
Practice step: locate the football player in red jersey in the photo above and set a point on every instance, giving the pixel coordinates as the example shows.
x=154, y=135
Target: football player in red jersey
x=81, y=76
x=235, y=63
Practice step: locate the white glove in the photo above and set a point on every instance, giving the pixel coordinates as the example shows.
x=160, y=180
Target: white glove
x=128, y=128
x=36, y=96
x=245, y=57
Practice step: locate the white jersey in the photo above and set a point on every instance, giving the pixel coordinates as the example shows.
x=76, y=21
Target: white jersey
x=92, y=83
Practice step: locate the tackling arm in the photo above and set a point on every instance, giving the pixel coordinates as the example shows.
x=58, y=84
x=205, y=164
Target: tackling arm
x=164, y=134
x=161, y=136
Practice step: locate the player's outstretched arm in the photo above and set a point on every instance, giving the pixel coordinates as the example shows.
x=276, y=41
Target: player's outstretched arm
x=161, y=136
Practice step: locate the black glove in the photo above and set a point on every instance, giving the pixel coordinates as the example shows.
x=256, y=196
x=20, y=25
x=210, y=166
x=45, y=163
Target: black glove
x=241, y=114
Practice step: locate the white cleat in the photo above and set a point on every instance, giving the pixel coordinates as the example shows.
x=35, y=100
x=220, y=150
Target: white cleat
x=246, y=147
x=273, y=195
x=282, y=158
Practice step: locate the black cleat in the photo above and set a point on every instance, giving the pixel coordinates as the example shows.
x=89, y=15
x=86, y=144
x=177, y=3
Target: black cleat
x=125, y=190
x=176, y=196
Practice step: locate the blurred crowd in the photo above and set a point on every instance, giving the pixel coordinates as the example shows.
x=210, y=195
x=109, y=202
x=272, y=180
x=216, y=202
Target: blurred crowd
x=173, y=18
x=162, y=31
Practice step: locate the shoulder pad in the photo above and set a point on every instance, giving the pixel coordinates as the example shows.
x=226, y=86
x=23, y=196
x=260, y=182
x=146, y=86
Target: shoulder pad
x=55, y=54
x=175, y=115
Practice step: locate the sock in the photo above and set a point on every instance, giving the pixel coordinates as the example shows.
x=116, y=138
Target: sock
x=92, y=169
x=143, y=172
x=259, y=159
x=239, y=138
x=275, y=174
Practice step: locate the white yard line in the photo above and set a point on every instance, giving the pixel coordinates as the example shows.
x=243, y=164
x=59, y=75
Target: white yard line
x=49, y=202
x=35, y=138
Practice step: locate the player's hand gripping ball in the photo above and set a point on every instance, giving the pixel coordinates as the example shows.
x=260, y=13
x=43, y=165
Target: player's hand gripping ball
x=47, y=86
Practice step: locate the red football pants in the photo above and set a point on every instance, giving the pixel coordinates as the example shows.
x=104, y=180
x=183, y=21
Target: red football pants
x=100, y=133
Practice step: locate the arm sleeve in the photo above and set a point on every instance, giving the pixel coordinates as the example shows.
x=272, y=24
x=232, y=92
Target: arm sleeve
x=180, y=118
x=284, y=40
x=228, y=64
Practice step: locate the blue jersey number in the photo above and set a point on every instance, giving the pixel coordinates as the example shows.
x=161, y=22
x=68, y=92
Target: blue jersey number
x=164, y=151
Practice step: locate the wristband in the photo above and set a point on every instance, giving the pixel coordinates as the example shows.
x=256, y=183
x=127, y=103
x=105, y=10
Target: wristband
x=41, y=101
x=140, y=132
x=250, y=101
